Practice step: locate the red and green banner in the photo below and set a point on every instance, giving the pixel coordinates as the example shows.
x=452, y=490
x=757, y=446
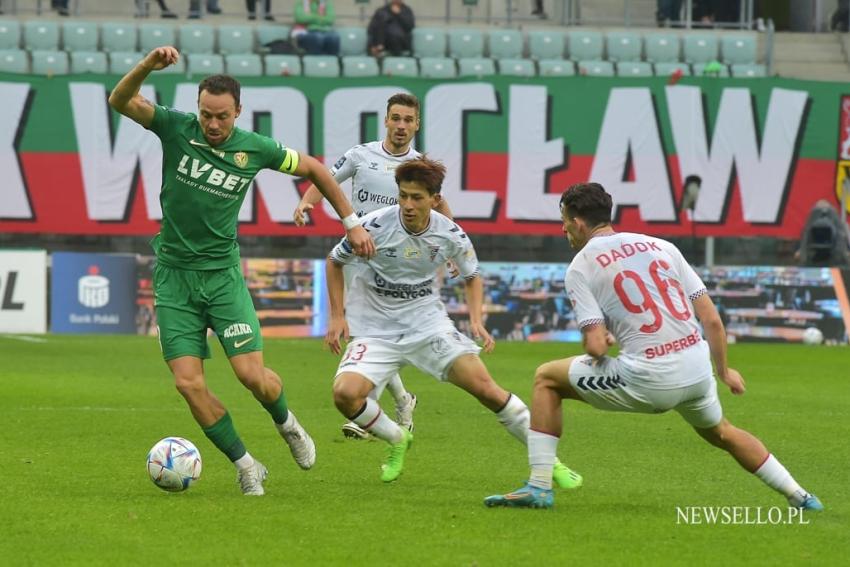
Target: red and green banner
x=765, y=149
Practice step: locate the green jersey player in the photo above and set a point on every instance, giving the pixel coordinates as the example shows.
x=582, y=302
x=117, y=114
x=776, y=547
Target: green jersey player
x=208, y=165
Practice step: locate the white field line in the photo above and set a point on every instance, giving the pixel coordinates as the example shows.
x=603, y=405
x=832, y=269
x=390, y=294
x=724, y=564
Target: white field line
x=24, y=338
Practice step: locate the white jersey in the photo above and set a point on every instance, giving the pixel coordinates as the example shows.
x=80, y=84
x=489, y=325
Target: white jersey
x=372, y=172
x=643, y=290
x=394, y=293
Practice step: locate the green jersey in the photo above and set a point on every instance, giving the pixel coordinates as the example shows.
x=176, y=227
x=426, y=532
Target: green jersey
x=203, y=188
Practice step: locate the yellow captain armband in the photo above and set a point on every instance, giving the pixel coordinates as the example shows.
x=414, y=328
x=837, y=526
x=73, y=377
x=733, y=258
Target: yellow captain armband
x=290, y=161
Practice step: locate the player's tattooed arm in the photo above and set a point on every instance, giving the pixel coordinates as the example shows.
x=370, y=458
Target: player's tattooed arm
x=125, y=97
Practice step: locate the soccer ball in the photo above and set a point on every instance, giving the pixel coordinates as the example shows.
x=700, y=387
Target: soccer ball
x=174, y=464
x=812, y=336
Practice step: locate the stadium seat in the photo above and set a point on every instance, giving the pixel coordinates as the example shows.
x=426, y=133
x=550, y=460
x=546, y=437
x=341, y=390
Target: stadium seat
x=118, y=37
x=437, y=68
x=89, y=62
x=14, y=61
x=505, y=44
x=120, y=62
x=556, y=68
x=429, y=42
x=321, y=66
x=585, y=45
x=517, y=67
x=544, y=44
x=667, y=69
x=634, y=69
x=466, y=43
x=178, y=68
x=269, y=33
x=41, y=35
x=282, y=65
x=400, y=67
x=244, y=65
x=700, y=48
x=720, y=70
x=10, y=34
x=197, y=39
x=624, y=46
x=205, y=64
x=359, y=66
x=352, y=41
x=46, y=62
x=739, y=49
x=79, y=36
x=475, y=67
x=235, y=40
x=749, y=71
x=156, y=35
x=596, y=68
x=662, y=47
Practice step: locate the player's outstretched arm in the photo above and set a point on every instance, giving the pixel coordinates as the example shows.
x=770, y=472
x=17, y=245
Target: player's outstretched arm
x=312, y=169
x=125, y=97
x=337, y=326
x=475, y=306
x=311, y=197
x=715, y=334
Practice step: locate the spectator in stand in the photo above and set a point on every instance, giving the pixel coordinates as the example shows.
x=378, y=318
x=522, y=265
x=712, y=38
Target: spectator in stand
x=669, y=11
x=391, y=29
x=142, y=9
x=61, y=6
x=839, y=18
x=313, y=31
x=252, y=9
x=538, y=10
x=195, y=8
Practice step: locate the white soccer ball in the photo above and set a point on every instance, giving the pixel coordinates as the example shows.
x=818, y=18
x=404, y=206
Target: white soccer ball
x=812, y=336
x=174, y=464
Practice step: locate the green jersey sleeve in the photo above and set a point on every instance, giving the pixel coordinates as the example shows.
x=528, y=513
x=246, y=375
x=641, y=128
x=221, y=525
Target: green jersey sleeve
x=167, y=121
x=279, y=157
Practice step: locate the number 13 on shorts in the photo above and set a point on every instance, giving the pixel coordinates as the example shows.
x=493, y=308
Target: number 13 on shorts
x=354, y=352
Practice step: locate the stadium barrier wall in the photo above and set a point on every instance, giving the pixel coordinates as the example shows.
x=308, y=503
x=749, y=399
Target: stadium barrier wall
x=109, y=293
x=23, y=291
x=765, y=149
x=93, y=293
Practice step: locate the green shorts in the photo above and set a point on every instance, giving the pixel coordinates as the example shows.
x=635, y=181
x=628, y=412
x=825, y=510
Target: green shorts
x=188, y=302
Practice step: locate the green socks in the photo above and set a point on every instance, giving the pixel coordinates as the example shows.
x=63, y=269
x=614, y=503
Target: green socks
x=224, y=436
x=278, y=409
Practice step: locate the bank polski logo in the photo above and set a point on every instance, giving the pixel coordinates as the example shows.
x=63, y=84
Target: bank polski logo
x=93, y=289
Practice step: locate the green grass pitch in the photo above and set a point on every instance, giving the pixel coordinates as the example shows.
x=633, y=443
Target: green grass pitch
x=80, y=413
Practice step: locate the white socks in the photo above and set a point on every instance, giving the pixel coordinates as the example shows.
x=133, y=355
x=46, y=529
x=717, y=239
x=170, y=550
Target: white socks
x=396, y=388
x=773, y=474
x=374, y=420
x=246, y=461
x=516, y=418
x=541, y=457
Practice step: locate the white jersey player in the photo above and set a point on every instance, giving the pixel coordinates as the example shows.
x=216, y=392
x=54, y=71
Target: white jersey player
x=396, y=316
x=371, y=168
x=639, y=291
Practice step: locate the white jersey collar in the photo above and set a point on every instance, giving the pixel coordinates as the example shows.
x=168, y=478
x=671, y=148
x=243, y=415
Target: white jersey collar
x=420, y=233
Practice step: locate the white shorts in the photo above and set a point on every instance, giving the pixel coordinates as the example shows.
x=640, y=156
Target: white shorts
x=605, y=386
x=379, y=359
